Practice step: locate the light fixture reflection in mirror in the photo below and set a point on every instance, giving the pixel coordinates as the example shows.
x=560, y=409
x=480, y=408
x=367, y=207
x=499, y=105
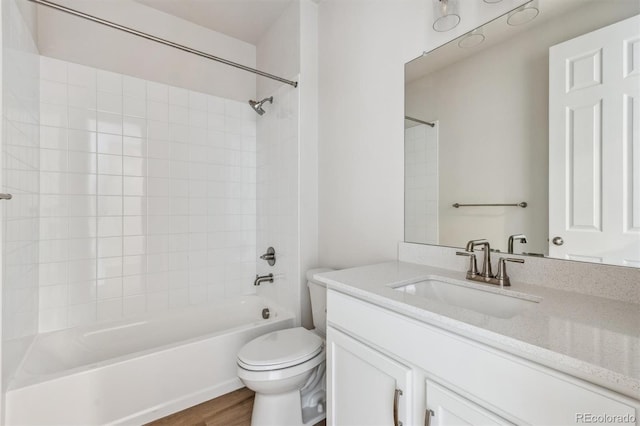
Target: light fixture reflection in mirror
x=445, y=14
x=471, y=39
x=492, y=1
x=523, y=14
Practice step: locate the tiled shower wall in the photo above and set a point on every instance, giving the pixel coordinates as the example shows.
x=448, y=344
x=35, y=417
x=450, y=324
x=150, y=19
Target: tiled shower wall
x=421, y=184
x=20, y=177
x=148, y=196
x=278, y=213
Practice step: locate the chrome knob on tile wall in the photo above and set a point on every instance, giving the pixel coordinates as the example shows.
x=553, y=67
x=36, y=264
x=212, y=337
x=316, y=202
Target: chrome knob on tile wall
x=557, y=241
x=270, y=256
x=6, y=196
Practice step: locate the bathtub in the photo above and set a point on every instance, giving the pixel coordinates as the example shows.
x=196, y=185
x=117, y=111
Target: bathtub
x=136, y=371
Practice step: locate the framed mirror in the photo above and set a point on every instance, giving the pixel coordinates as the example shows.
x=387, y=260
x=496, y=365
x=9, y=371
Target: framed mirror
x=529, y=128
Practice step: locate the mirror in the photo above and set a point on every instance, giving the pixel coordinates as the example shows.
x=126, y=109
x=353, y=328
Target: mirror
x=541, y=118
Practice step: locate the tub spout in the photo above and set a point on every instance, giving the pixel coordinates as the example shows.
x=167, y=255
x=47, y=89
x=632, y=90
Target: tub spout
x=260, y=279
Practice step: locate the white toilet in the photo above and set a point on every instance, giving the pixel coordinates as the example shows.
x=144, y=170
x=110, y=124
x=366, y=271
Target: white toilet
x=286, y=369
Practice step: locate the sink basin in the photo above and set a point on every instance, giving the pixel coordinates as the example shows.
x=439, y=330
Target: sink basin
x=481, y=298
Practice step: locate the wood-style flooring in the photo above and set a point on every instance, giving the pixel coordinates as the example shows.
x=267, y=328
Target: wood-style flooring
x=232, y=409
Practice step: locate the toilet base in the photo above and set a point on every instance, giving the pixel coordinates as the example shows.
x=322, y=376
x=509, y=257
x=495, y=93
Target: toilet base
x=277, y=409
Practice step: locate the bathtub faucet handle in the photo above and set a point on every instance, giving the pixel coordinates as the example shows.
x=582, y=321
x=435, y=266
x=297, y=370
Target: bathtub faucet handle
x=269, y=256
x=260, y=279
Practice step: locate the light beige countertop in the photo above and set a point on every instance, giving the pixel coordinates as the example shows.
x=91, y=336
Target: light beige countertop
x=593, y=338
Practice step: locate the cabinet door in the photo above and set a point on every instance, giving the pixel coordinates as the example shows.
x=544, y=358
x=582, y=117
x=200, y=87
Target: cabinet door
x=365, y=387
x=448, y=408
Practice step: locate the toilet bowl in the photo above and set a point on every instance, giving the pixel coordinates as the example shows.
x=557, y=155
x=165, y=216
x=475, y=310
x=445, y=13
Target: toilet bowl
x=286, y=369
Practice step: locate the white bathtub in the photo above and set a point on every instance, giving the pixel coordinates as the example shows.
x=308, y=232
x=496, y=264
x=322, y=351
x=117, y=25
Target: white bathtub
x=132, y=372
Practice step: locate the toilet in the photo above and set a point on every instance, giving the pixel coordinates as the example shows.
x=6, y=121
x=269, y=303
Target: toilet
x=286, y=369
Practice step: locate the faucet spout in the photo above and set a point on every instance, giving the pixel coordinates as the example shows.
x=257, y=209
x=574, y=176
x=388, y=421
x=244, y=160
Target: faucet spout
x=486, y=265
x=262, y=278
x=517, y=237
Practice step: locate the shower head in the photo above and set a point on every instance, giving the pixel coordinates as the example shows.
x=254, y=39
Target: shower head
x=257, y=106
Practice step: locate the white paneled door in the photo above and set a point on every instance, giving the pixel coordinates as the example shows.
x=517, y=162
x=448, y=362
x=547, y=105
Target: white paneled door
x=594, y=146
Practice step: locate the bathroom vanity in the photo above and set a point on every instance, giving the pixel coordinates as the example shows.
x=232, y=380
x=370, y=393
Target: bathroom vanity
x=406, y=345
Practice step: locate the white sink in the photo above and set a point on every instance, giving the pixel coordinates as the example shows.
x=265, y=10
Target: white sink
x=481, y=298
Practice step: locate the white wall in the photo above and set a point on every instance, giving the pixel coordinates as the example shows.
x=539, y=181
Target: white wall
x=76, y=40
x=148, y=196
x=20, y=162
x=363, y=46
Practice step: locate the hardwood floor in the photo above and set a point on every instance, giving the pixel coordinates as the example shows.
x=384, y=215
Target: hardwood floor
x=232, y=409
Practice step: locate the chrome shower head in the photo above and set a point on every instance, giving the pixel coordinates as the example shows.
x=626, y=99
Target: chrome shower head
x=257, y=106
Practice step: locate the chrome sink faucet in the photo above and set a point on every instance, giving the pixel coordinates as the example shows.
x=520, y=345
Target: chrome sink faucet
x=501, y=278
x=486, y=264
x=517, y=237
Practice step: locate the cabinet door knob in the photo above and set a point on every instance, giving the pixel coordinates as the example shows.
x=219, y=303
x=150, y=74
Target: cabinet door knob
x=557, y=241
x=396, y=397
x=427, y=417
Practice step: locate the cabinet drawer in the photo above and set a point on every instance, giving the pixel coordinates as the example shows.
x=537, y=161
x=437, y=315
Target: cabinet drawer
x=516, y=389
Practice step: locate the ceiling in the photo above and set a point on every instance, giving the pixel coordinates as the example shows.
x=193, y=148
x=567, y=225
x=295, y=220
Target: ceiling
x=246, y=20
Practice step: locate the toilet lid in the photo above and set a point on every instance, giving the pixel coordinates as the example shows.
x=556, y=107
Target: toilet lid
x=280, y=349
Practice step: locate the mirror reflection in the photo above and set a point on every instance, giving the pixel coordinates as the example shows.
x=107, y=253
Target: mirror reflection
x=529, y=129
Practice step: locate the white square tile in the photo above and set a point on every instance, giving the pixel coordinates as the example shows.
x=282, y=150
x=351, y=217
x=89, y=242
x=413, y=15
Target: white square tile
x=53, y=137
x=197, y=101
x=82, y=119
x=53, y=92
x=109, y=226
x=109, y=288
x=81, y=75
x=52, y=319
x=134, y=246
x=215, y=105
x=134, y=225
x=82, y=248
x=158, y=111
x=134, y=265
x=83, y=292
x=82, y=270
x=81, y=162
x=109, y=164
x=109, y=82
x=134, y=284
x=54, y=296
x=178, y=298
x=82, y=227
x=81, y=184
x=53, y=69
x=82, y=97
x=134, y=206
x=80, y=140
x=53, y=115
x=133, y=126
x=109, y=144
x=135, y=107
x=157, y=92
x=110, y=247
x=109, y=123
x=110, y=267
x=109, y=102
x=134, y=186
x=134, y=87
x=135, y=147
x=82, y=205
x=109, y=185
x=178, y=96
x=134, y=166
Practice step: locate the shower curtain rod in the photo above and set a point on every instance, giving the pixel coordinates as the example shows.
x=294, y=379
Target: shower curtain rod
x=160, y=40
x=406, y=117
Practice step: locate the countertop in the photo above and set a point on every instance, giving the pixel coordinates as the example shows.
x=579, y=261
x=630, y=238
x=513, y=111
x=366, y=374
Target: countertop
x=593, y=338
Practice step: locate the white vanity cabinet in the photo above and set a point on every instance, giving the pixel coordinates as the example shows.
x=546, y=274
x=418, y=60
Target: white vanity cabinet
x=372, y=389
x=371, y=351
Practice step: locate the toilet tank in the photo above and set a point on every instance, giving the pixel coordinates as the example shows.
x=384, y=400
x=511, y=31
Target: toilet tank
x=318, y=294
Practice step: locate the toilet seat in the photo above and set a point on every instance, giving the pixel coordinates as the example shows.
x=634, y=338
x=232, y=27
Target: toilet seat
x=280, y=349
